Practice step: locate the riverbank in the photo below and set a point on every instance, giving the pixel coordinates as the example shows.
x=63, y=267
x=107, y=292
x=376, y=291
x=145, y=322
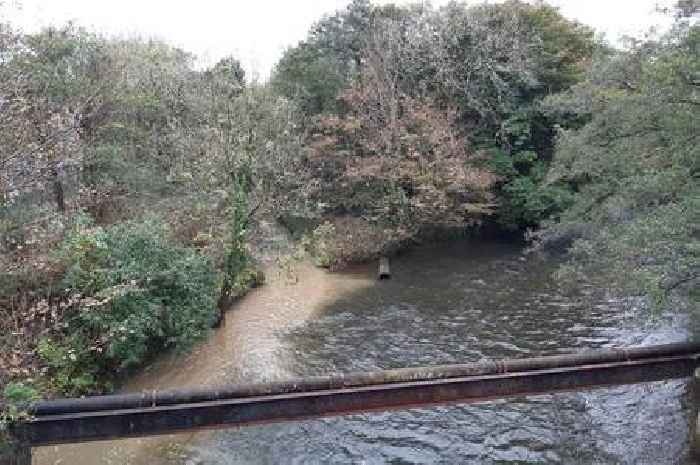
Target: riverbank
x=114, y=298
x=246, y=348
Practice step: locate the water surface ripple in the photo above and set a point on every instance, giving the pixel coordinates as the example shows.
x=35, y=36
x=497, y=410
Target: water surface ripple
x=464, y=303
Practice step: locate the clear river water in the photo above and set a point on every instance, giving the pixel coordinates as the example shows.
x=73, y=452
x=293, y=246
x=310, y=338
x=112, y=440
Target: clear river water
x=459, y=302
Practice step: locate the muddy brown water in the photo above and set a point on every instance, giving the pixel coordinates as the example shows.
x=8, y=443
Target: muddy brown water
x=455, y=303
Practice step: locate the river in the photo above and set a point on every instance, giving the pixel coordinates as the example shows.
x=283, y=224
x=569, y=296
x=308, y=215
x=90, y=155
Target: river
x=452, y=303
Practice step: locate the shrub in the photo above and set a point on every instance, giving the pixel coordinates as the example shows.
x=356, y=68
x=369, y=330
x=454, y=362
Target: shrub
x=17, y=394
x=635, y=166
x=320, y=244
x=236, y=259
x=138, y=294
x=526, y=198
x=16, y=397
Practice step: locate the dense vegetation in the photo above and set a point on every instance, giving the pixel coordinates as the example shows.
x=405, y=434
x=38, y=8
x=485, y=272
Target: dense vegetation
x=417, y=117
x=130, y=180
x=127, y=184
x=632, y=160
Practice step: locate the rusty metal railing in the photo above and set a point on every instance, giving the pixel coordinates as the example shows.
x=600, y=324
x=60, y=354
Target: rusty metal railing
x=160, y=412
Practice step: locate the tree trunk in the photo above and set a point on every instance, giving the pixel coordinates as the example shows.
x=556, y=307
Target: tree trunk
x=58, y=191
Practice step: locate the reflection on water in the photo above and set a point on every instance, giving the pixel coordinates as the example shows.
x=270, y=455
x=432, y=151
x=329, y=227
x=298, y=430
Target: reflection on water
x=449, y=304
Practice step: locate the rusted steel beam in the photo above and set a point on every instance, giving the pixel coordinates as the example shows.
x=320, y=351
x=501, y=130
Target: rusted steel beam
x=76, y=420
x=318, y=383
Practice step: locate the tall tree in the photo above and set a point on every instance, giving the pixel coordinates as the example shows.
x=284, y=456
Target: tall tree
x=54, y=90
x=634, y=163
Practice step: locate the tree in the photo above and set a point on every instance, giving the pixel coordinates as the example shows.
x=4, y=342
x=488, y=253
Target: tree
x=634, y=164
x=313, y=73
x=497, y=62
x=491, y=64
x=394, y=159
x=51, y=90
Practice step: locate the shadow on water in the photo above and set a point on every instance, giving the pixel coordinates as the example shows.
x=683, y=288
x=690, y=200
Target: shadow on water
x=455, y=303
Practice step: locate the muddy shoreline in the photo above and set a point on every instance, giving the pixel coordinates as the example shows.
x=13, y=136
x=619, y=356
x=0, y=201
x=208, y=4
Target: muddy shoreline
x=243, y=349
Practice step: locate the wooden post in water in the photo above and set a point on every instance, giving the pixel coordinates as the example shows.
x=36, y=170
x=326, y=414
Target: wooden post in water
x=695, y=416
x=384, y=272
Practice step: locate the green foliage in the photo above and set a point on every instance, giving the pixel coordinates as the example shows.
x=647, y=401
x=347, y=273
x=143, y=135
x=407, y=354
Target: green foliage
x=527, y=201
x=563, y=50
x=526, y=198
x=16, y=397
x=236, y=260
x=313, y=80
x=314, y=72
x=139, y=293
x=18, y=393
x=73, y=366
x=501, y=163
x=320, y=244
x=62, y=66
x=226, y=78
x=147, y=125
x=525, y=52
x=119, y=128
x=635, y=167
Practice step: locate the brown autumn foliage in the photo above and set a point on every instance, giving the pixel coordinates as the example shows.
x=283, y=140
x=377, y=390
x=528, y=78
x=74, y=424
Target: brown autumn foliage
x=400, y=165
x=394, y=157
